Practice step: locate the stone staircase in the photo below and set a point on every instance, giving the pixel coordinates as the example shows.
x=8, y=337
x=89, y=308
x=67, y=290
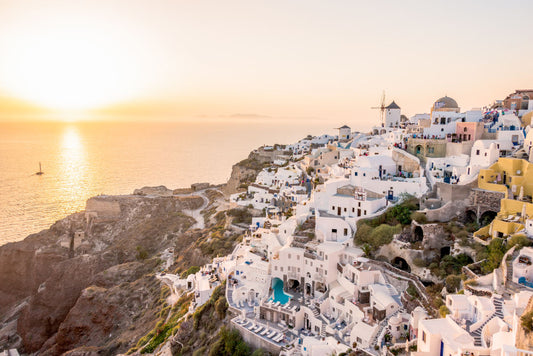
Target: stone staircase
x=382, y=326
x=509, y=284
x=315, y=310
x=497, y=301
x=323, y=329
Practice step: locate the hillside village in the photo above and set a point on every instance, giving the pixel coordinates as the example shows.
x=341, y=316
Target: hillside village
x=410, y=239
x=413, y=238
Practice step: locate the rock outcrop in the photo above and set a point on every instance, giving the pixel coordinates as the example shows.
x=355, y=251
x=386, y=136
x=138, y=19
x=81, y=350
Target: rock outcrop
x=98, y=295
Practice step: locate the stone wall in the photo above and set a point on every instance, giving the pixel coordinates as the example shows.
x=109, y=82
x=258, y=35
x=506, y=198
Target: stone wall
x=256, y=342
x=485, y=200
x=408, y=164
x=102, y=209
x=448, y=211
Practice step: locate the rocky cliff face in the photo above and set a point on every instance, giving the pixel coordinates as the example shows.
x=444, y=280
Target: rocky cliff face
x=86, y=284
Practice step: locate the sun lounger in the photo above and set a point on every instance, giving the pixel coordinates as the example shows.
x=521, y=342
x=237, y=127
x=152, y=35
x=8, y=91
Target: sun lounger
x=279, y=338
x=252, y=326
x=259, y=330
x=274, y=335
x=265, y=332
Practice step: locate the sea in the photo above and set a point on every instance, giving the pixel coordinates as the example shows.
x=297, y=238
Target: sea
x=84, y=159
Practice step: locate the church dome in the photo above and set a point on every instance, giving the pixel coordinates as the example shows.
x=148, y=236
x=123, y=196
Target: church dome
x=445, y=103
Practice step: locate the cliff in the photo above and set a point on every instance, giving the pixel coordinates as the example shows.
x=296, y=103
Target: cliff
x=88, y=283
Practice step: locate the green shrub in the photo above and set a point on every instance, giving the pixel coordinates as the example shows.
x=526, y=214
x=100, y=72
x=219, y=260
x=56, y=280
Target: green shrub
x=453, y=283
x=527, y=321
x=142, y=254
x=190, y=270
x=419, y=217
x=520, y=240
x=443, y=311
x=376, y=237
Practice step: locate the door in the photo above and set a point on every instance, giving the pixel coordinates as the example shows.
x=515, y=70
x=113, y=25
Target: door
x=338, y=210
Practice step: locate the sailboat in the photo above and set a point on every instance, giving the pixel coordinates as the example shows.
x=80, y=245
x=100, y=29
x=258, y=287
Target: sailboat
x=40, y=170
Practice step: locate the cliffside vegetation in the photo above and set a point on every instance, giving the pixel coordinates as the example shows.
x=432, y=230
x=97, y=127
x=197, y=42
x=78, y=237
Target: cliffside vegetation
x=380, y=230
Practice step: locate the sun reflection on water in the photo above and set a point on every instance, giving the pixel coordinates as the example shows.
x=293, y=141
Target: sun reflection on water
x=73, y=175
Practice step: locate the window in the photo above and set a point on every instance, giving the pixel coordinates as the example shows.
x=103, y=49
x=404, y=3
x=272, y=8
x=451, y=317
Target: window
x=334, y=231
x=281, y=269
x=345, y=232
x=423, y=336
x=355, y=174
x=365, y=212
x=275, y=268
x=298, y=258
x=344, y=209
x=289, y=255
x=333, y=208
x=353, y=210
x=464, y=129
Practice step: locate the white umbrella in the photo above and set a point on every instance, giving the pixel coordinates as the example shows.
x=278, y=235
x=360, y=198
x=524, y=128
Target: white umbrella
x=521, y=194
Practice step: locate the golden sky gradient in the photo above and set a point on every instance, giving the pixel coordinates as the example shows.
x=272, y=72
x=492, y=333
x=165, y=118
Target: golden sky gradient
x=296, y=59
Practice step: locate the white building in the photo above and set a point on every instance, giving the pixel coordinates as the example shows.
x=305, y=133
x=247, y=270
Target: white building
x=345, y=133
x=438, y=337
x=392, y=115
x=389, y=171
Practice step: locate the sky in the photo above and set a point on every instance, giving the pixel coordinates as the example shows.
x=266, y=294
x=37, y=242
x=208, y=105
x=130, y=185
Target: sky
x=290, y=59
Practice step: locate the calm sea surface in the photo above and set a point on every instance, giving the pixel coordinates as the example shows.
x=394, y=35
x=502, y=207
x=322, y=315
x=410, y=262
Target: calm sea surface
x=85, y=159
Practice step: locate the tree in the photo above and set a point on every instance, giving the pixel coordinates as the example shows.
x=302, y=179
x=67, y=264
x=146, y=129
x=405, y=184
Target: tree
x=453, y=283
x=495, y=251
x=402, y=213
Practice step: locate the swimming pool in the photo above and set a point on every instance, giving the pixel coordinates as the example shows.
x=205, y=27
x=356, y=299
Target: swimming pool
x=279, y=295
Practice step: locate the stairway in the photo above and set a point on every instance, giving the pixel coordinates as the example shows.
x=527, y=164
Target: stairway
x=323, y=330
x=315, y=310
x=497, y=301
x=498, y=305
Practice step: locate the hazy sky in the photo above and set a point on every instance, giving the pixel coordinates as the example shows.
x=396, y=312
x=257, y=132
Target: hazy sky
x=326, y=59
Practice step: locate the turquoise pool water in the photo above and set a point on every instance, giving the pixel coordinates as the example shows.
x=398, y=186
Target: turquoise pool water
x=279, y=294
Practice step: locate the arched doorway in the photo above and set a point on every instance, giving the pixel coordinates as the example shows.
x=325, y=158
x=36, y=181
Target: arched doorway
x=470, y=217
x=418, y=149
x=445, y=251
x=487, y=217
x=418, y=234
x=308, y=289
x=293, y=284
x=401, y=263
